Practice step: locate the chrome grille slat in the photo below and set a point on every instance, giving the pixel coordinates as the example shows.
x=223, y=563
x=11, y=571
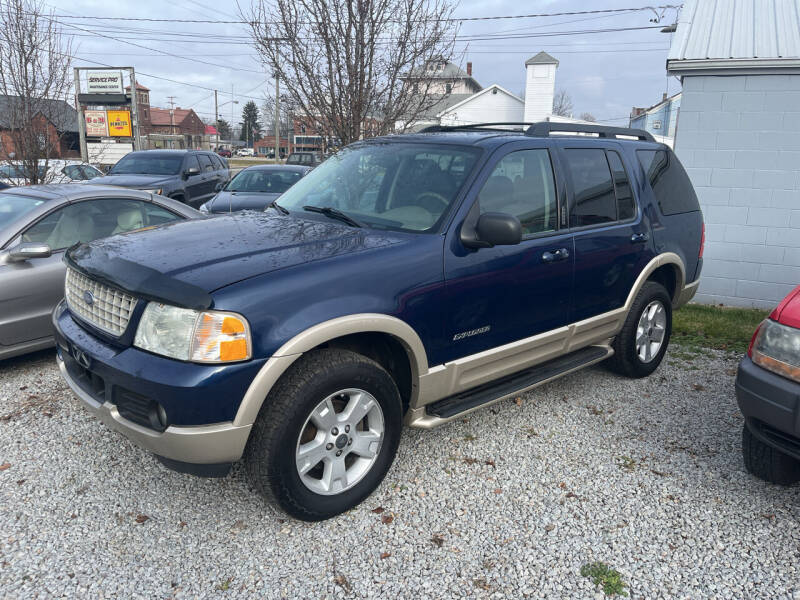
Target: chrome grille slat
x=111, y=309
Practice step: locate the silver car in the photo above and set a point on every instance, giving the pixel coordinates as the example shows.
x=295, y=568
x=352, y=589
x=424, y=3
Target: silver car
x=37, y=224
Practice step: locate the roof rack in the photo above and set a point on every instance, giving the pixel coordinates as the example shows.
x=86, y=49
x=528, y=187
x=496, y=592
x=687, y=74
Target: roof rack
x=436, y=128
x=545, y=128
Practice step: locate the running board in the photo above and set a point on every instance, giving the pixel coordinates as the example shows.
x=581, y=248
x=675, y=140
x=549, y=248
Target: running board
x=522, y=381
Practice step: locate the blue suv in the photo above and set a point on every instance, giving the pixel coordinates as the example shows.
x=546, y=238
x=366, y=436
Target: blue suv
x=408, y=279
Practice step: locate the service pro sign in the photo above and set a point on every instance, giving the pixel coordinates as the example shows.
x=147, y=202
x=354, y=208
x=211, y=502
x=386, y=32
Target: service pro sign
x=104, y=82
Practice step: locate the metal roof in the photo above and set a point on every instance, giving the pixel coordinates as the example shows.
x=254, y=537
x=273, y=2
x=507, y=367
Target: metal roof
x=736, y=35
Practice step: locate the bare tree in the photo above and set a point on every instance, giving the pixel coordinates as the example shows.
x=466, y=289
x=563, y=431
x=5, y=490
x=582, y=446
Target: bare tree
x=562, y=104
x=35, y=82
x=587, y=116
x=346, y=63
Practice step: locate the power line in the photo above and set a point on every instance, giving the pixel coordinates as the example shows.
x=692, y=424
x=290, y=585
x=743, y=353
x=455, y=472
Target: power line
x=448, y=19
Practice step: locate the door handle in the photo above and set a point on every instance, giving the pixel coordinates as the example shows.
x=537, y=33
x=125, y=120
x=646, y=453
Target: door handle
x=555, y=255
x=638, y=238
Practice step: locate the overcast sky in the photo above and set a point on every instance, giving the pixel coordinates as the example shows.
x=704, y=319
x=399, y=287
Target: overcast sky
x=605, y=73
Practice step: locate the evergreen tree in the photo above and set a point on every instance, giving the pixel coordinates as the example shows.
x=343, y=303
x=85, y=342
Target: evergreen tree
x=251, y=127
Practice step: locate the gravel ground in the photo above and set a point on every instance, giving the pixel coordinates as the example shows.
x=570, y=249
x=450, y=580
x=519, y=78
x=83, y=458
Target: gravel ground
x=645, y=476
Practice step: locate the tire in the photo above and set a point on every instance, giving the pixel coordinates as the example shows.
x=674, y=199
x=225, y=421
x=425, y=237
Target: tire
x=179, y=198
x=340, y=379
x=627, y=360
x=767, y=463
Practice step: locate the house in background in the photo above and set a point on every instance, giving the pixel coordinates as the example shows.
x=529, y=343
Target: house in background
x=496, y=104
x=57, y=118
x=738, y=135
x=442, y=77
x=660, y=120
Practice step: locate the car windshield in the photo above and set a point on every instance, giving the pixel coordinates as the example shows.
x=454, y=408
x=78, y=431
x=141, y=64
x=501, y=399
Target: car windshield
x=392, y=185
x=144, y=164
x=264, y=181
x=12, y=207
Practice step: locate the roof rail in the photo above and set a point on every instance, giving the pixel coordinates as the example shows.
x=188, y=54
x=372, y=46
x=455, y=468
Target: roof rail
x=545, y=128
x=435, y=128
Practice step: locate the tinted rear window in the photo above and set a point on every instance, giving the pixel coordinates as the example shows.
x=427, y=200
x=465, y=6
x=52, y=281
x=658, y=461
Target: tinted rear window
x=671, y=186
x=593, y=201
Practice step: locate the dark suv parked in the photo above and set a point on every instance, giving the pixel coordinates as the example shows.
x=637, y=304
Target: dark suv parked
x=190, y=176
x=411, y=278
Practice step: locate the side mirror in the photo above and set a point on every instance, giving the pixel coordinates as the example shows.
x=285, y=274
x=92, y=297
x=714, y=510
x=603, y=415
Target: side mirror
x=492, y=229
x=191, y=171
x=26, y=250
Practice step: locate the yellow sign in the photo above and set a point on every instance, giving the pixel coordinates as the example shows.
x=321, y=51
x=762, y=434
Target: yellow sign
x=119, y=123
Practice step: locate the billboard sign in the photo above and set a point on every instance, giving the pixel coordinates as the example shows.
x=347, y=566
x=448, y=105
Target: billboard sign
x=119, y=123
x=104, y=82
x=96, y=123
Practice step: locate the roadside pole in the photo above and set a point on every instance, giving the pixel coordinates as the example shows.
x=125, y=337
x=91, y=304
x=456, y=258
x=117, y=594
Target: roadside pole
x=81, y=117
x=277, y=129
x=216, y=115
x=137, y=140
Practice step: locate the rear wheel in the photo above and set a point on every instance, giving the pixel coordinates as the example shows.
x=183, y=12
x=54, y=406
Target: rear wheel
x=767, y=463
x=326, y=435
x=642, y=342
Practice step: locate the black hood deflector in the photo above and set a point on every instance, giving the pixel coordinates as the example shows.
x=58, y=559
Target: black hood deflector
x=141, y=281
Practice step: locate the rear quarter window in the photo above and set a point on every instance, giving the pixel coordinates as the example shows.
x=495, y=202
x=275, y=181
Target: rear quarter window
x=670, y=183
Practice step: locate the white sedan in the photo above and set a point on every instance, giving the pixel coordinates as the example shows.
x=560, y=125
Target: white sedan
x=54, y=171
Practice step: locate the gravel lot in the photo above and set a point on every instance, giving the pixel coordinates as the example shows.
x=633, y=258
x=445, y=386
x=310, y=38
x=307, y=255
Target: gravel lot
x=645, y=476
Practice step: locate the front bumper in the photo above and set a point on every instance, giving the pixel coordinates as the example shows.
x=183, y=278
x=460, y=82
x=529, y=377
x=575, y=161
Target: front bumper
x=103, y=371
x=770, y=405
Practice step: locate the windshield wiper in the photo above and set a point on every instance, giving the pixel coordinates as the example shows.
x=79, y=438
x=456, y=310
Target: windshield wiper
x=274, y=204
x=333, y=213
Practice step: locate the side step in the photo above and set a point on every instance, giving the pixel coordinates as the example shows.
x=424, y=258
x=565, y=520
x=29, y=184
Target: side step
x=517, y=382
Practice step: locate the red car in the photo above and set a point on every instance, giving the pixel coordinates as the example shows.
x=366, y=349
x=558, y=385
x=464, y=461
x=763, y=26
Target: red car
x=224, y=153
x=768, y=392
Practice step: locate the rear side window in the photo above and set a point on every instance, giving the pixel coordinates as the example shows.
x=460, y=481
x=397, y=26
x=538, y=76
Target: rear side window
x=593, y=199
x=205, y=162
x=671, y=186
x=626, y=207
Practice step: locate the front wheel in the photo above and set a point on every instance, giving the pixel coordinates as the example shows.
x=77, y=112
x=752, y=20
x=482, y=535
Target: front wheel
x=642, y=342
x=326, y=435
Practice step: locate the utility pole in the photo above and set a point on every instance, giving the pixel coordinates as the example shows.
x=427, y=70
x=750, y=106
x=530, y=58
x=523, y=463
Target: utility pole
x=81, y=117
x=277, y=119
x=137, y=139
x=216, y=115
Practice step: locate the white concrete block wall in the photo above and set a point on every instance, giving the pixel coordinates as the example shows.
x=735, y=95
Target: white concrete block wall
x=739, y=139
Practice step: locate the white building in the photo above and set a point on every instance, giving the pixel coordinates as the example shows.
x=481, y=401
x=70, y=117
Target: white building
x=738, y=135
x=494, y=104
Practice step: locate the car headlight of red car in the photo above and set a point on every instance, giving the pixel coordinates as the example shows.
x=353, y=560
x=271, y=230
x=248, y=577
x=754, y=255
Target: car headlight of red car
x=776, y=347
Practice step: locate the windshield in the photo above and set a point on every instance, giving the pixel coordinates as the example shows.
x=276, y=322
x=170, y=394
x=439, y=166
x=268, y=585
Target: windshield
x=142, y=164
x=12, y=207
x=393, y=185
x=263, y=181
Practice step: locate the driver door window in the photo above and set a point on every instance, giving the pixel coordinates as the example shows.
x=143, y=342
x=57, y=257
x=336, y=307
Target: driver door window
x=522, y=185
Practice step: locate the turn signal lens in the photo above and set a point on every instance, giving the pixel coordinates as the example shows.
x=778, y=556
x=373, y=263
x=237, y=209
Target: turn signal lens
x=220, y=337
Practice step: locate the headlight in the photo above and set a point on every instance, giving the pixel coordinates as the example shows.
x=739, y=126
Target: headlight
x=192, y=335
x=776, y=348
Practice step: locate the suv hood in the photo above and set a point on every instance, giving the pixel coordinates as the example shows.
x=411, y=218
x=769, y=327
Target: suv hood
x=183, y=262
x=133, y=181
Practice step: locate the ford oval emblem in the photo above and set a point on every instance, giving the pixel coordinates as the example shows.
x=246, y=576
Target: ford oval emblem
x=88, y=297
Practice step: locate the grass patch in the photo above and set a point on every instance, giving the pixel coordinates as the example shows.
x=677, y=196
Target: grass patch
x=609, y=579
x=697, y=326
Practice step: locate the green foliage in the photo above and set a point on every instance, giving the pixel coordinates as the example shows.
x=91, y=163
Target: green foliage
x=609, y=579
x=722, y=328
x=251, y=127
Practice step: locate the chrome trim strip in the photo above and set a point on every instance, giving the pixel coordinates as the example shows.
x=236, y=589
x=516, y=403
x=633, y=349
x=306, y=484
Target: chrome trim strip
x=205, y=444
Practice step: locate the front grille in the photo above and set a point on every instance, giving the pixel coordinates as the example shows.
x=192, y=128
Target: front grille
x=109, y=310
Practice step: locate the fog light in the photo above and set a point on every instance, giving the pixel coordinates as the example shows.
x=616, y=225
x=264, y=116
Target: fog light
x=161, y=414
